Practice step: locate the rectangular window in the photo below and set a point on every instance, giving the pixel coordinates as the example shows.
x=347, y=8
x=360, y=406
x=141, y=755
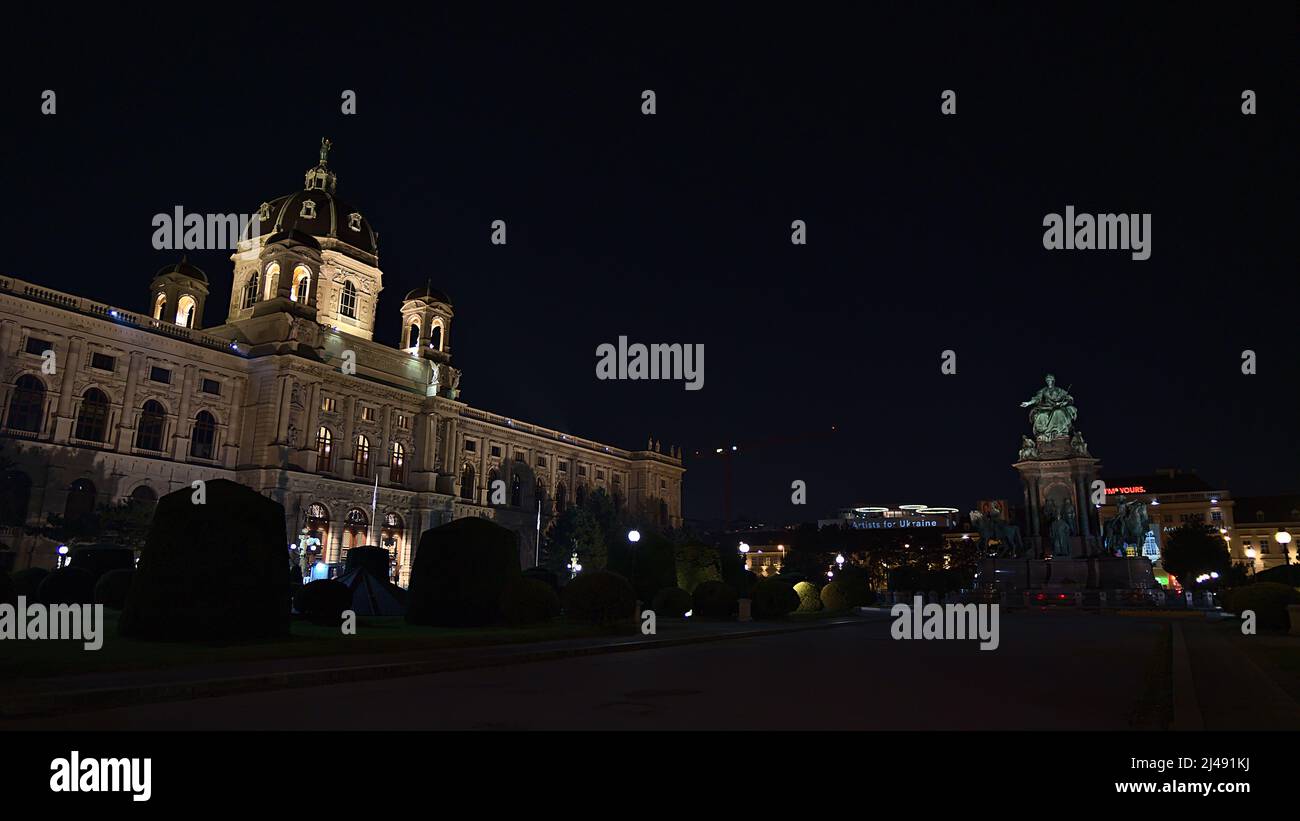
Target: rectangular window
x=1216, y=515
x=600, y=474
x=496, y=451
x=541, y=461
x=368, y=413
x=329, y=404
x=211, y=386
x=102, y=361
x=37, y=346
x=471, y=445
x=564, y=467
x=402, y=421
x=157, y=374
x=582, y=470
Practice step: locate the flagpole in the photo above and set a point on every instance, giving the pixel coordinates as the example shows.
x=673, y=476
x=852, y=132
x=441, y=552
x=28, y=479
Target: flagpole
x=374, y=500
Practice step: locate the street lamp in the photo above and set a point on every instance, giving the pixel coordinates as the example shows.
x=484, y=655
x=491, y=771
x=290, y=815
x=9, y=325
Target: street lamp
x=839, y=560
x=634, y=536
x=63, y=554
x=744, y=550
x=1283, y=538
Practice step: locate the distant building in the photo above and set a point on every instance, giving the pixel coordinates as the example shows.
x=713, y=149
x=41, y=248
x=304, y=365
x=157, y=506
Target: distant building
x=899, y=517
x=1173, y=498
x=1258, y=520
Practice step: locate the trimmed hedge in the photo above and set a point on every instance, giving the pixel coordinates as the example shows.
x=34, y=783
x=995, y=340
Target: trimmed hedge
x=714, y=600
x=112, y=588
x=834, y=596
x=101, y=558
x=810, y=600
x=211, y=571
x=696, y=563
x=8, y=591
x=460, y=572
x=27, y=582
x=671, y=603
x=1267, y=599
x=323, y=601
x=528, y=601
x=773, y=598
x=68, y=585
x=599, y=597
x=654, y=565
x=549, y=577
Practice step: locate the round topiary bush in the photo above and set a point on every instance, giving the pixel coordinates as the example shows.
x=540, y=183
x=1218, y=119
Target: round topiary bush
x=460, y=570
x=671, y=603
x=714, y=600
x=28, y=581
x=810, y=600
x=8, y=592
x=849, y=592
x=323, y=601
x=599, y=597
x=112, y=587
x=774, y=598
x=528, y=601
x=1267, y=599
x=68, y=585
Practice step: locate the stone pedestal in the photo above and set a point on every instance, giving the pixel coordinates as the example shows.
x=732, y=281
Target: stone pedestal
x=1054, y=478
x=1096, y=573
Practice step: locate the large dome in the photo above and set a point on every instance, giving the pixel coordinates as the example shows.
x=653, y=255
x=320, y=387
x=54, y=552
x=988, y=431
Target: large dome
x=316, y=211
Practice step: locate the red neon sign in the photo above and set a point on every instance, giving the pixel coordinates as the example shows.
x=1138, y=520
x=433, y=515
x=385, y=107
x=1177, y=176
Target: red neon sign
x=1133, y=489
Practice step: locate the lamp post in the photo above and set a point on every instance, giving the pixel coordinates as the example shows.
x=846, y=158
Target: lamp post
x=839, y=560
x=1283, y=539
x=744, y=551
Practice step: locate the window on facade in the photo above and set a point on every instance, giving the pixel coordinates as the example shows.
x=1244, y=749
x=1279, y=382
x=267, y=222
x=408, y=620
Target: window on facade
x=25, y=405
x=348, y=300
x=435, y=336
x=397, y=464
x=582, y=470
x=564, y=467
x=361, y=459
x=324, y=448
x=144, y=495
x=580, y=495
x=162, y=375
x=185, y=311
x=663, y=484
x=211, y=386
x=403, y=421
x=102, y=361
x=467, y=483
x=600, y=474
x=413, y=336
x=471, y=445
x=37, y=346
x=541, y=461
x=367, y=413
x=159, y=305
x=308, y=211
x=496, y=450
x=149, y=436
x=92, y=419
x=301, y=283
x=329, y=404
x=203, y=440
x=250, y=291
x=560, y=500
x=663, y=514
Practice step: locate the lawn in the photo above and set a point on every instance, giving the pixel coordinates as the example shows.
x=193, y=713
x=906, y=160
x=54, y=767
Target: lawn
x=38, y=659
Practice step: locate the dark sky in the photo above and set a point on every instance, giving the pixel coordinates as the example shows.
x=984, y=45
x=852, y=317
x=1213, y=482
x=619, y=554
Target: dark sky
x=925, y=232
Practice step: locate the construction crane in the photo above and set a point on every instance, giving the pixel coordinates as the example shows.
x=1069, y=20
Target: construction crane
x=729, y=453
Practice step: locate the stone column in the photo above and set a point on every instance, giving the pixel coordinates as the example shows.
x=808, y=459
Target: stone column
x=349, y=447
x=235, y=435
x=313, y=423
x=282, y=419
x=125, y=431
x=64, y=418
x=181, y=437
x=383, y=458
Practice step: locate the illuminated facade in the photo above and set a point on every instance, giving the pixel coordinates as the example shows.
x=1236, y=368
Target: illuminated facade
x=290, y=396
x=1174, y=498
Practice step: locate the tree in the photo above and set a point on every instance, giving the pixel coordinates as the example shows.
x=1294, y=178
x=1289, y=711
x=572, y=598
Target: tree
x=575, y=530
x=1194, y=550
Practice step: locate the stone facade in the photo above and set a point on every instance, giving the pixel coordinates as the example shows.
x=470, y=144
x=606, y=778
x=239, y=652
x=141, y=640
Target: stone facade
x=289, y=396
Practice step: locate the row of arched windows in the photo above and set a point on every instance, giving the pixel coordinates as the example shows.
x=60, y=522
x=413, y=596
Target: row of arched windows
x=435, y=336
x=184, y=310
x=300, y=291
x=360, y=456
x=26, y=411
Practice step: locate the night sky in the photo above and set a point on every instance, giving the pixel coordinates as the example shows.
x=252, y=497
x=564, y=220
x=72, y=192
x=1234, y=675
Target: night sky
x=924, y=231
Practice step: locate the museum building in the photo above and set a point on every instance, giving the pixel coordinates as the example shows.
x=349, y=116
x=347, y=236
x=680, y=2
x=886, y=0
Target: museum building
x=362, y=443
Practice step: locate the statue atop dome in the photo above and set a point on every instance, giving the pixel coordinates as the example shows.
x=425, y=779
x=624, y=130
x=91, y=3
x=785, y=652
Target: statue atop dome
x=1051, y=412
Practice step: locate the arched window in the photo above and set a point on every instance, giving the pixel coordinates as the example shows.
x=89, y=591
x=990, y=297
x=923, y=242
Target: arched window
x=560, y=500
x=92, y=419
x=467, y=483
x=15, y=498
x=361, y=463
x=516, y=492
x=25, y=406
x=149, y=436
x=324, y=449
x=250, y=291
x=144, y=495
x=435, y=335
x=185, y=312
x=80, y=502
x=580, y=495
x=413, y=337
x=348, y=300
x=159, y=304
x=356, y=528
x=663, y=513
x=301, y=283
x=397, y=464
x=203, y=441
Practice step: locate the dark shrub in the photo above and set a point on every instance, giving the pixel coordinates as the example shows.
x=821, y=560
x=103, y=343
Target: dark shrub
x=773, y=598
x=7, y=559
x=374, y=559
x=792, y=578
x=460, y=571
x=8, y=592
x=541, y=574
x=835, y=597
x=70, y=585
x=101, y=558
x=1288, y=574
x=323, y=601
x=714, y=600
x=213, y=570
x=654, y=565
x=855, y=589
x=599, y=597
x=528, y=601
x=696, y=563
x=1267, y=599
x=671, y=603
x=28, y=581
x=112, y=587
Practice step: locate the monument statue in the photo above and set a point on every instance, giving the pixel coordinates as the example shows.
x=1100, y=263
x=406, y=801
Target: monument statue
x=992, y=528
x=1060, y=530
x=1051, y=411
x=1078, y=446
x=1028, y=450
x=1129, y=527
